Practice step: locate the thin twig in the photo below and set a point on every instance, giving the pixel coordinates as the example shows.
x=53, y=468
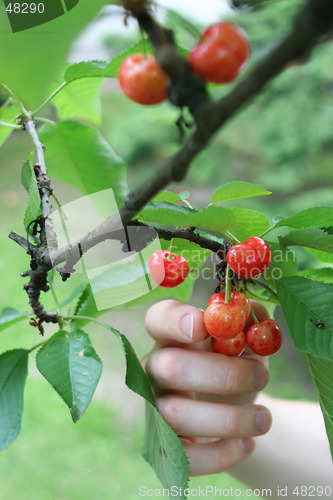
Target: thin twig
x=23, y=242
x=49, y=99
x=31, y=128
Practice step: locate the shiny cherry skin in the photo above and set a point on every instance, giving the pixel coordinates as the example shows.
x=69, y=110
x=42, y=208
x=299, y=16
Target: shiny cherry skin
x=264, y=338
x=226, y=320
x=221, y=53
x=230, y=347
x=249, y=258
x=165, y=272
x=142, y=80
x=239, y=297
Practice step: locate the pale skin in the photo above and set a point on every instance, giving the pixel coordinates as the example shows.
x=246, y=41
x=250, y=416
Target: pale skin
x=214, y=403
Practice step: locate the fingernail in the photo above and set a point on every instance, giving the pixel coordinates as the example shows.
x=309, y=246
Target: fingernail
x=260, y=376
x=262, y=420
x=186, y=326
x=248, y=445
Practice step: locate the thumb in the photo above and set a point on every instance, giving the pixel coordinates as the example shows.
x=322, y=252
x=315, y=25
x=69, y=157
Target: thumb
x=170, y=322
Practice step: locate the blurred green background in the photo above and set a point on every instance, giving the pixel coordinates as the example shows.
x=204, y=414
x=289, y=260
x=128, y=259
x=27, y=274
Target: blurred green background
x=283, y=141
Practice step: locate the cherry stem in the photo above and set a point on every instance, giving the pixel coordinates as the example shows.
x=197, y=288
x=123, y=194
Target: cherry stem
x=254, y=316
x=170, y=257
x=228, y=286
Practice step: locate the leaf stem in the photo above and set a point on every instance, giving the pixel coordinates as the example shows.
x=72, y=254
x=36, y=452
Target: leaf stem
x=40, y=119
x=10, y=125
x=37, y=110
x=36, y=347
x=268, y=288
x=97, y=321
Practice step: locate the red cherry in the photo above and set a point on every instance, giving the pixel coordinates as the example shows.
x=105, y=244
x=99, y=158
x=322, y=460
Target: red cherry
x=249, y=258
x=264, y=338
x=221, y=53
x=165, y=272
x=142, y=80
x=226, y=320
x=230, y=347
x=239, y=297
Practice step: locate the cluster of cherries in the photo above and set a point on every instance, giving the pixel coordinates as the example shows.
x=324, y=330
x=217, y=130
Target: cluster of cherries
x=225, y=318
x=218, y=57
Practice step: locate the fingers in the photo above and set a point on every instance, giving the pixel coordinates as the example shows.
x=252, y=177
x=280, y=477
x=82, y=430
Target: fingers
x=212, y=458
x=170, y=321
x=212, y=420
x=179, y=369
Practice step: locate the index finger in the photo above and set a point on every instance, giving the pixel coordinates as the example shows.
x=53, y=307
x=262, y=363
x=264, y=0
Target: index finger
x=170, y=322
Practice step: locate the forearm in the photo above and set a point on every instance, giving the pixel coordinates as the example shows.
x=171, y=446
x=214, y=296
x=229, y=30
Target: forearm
x=294, y=452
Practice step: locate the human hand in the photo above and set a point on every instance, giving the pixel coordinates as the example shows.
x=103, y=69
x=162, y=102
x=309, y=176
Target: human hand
x=202, y=394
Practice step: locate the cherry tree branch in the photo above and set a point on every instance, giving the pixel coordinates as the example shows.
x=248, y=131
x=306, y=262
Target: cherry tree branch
x=38, y=271
x=312, y=23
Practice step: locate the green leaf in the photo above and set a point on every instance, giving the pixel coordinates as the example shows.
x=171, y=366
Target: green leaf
x=70, y=364
x=211, y=218
x=85, y=69
x=305, y=303
x=29, y=181
x=177, y=21
x=322, y=373
x=214, y=218
x=84, y=296
x=89, y=69
x=248, y=223
x=309, y=237
x=162, y=447
x=13, y=374
x=80, y=100
x=168, y=196
x=324, y=274
x=322, y=256
x=112, y=68
x=9, y=316
x=136, y=378
x=165, y=453
x=7, y=114
x=238, y=190
x=167, y=213
x=77, y=154
x=311, y=217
